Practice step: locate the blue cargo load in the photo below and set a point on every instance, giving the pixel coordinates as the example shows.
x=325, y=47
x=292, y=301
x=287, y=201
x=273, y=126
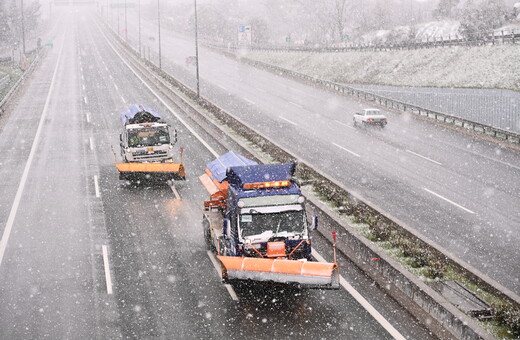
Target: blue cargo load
x=241, y=175
x=137, y=114
x=219, y=166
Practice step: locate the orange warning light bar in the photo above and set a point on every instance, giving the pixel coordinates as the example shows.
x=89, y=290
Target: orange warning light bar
x=259, y=185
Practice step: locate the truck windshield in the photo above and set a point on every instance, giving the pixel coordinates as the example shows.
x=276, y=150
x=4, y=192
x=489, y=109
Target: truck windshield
x=285, y=221
x=148, y=137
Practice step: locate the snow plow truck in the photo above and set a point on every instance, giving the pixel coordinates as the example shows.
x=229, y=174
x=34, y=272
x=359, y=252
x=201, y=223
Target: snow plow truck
x=255, y=222
x=147, y=147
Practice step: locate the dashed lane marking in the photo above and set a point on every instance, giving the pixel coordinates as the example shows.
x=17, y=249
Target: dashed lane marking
x=423, y=157
x=106, y=264
x=288, y=121
x=229, y=288
x=347, y=150
x=449, y=201
x=364, y=303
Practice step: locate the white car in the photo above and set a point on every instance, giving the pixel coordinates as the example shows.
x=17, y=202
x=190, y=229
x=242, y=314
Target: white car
x=370, y=117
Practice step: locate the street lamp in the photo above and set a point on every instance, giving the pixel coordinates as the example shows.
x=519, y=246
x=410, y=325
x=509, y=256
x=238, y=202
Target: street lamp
x=126, y=27
x=197, y=49
x=159, y=27
x=23, y=30
x=139, y=23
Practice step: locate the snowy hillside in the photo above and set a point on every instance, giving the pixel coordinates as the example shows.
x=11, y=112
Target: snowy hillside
x=475, y=67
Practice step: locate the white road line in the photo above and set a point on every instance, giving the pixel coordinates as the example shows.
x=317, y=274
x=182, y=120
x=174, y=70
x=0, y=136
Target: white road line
x=123, y=99
x=345, y=124
x=85, y=99
x=364, y=303
x=223, y=88
x=175, y=192
x=91, y=143
x=229, y=288
x=249, y=101
x=96, y=186
x=16, y=203
x=82, y=78
x=108, y=278
x=179, y=118
x=106, y=68
x=428, y=159
x=296, y=104
x=110, y=76
x=88, y=117
x=288, y=121
x=117, y=88
x=347, y=150
x=83, y=87
x=449, y=201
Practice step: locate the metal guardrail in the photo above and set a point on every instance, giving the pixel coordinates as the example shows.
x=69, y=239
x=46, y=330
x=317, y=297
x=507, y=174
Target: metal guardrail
x=442, y=318
x=435, y=42
x=498, y=133
x=6, y=98
x=4, y=81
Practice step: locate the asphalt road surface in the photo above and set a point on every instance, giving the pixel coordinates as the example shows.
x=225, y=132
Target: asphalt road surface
x=84, y=256
x=459, y=191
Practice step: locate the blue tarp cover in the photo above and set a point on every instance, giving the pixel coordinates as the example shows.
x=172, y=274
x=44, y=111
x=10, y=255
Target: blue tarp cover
x=138, y=113
x=239, y=175
x=219, y=166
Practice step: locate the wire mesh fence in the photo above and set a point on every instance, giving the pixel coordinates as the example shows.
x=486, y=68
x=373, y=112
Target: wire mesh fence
x=496, y=108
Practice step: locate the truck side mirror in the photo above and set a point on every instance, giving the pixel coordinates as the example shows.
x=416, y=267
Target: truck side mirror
x=314, y=224
x=226, y=228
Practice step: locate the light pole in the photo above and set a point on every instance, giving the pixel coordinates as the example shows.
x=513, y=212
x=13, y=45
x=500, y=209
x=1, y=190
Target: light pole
x=23, y=31
x=139, y=23
x=126, y=26
x=159, y=27
x=197, y=49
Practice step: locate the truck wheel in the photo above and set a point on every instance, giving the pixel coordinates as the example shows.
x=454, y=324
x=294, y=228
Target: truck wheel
x=207, y=235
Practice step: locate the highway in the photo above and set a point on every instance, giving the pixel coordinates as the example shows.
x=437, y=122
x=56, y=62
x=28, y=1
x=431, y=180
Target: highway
x=84, y=256
x=460, y=191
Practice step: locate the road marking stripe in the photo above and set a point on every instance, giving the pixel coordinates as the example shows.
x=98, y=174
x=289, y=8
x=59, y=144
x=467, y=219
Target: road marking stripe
x=96, y=186
x=288, y=121
x=123, y=99
x=229, y=288
x=91, y=142
x=179, y=118
x=364, y=303
x=108, y=278
x=296, y=104
x=175, y=192
x=428, y=159
x=25, y=174
x=85, y=99
x=347, y=150
x=449, y=201
x=223, y=88
x=88, y=117
x=345, y=124
x=249, y=101
x=117, y=88
x=83, y=86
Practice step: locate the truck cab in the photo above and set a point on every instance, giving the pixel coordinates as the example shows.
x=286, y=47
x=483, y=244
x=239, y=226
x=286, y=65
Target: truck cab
x=145, y=137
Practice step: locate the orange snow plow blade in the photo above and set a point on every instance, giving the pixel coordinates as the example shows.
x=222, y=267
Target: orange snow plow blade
x=306, y=274
x=166, y=171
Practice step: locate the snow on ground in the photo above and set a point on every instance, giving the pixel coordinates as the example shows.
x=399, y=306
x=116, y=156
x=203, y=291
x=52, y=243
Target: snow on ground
x=467, y=67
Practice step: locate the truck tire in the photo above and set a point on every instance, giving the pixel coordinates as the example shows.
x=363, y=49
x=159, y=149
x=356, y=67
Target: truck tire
x=207, y=235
